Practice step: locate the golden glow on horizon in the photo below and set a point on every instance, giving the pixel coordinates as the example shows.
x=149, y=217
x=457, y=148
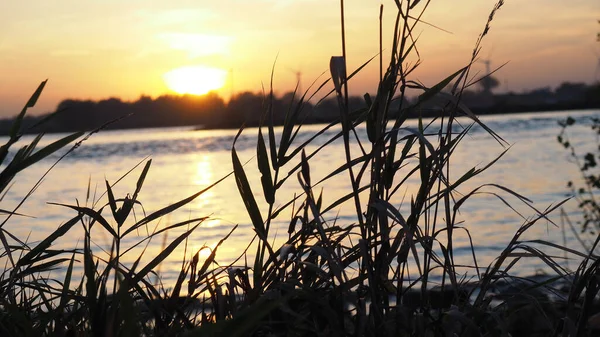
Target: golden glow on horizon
x=101, y=49
x=195, y=80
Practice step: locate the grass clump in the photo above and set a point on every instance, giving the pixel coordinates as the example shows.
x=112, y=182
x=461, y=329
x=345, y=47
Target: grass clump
x=389, y=271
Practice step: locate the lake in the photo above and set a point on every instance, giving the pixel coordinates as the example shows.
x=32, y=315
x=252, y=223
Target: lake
x=185, y=161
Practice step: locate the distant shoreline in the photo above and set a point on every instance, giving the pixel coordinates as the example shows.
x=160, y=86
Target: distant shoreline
x=424, y=112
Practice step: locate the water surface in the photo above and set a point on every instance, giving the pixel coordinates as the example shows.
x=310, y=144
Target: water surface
x=185, y=161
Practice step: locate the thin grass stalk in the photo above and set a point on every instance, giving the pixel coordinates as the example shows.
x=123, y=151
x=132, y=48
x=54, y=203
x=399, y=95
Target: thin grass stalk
x=346, y=124
x=343, y=29
x=380, y=43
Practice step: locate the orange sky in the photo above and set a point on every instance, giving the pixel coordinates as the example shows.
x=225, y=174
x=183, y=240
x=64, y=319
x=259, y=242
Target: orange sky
x=98, y=49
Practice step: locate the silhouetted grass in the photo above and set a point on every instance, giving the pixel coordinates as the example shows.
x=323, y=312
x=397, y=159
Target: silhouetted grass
x=371, y=276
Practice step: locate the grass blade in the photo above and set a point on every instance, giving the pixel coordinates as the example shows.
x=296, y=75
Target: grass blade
x=97, y=216
x=265, y=171
x=246, y=192
x=161, y=256
x=45, y=244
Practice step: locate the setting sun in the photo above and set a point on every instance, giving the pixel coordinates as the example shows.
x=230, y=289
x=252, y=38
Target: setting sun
x=195, y=80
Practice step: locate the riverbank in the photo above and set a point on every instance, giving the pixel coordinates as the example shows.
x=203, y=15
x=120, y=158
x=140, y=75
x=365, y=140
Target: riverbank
x=212, y=112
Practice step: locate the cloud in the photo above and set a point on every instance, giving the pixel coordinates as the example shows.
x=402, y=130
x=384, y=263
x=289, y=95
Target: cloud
x=198, y=45
x=74, y=52
x=175, y=17
x=282, y=4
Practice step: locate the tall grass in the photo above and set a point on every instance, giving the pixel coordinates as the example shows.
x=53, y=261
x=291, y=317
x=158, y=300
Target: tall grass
x=372, y=276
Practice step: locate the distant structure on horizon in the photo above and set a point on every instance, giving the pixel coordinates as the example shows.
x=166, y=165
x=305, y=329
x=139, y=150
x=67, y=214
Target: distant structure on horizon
x=488, y=82
x=231, y=87
x=597, y=72
x=298, y=74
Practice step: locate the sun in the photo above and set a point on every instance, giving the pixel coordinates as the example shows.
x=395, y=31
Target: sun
x=195, y=80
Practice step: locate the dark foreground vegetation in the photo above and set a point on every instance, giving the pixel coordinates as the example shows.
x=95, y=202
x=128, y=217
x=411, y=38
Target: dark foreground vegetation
x=367, y=277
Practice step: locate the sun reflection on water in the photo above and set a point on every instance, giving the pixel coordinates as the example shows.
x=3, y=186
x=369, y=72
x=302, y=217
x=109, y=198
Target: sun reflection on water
x=204, y=172
x=202, y=178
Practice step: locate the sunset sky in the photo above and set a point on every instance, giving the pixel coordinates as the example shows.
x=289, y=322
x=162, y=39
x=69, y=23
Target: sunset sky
x=100, y=49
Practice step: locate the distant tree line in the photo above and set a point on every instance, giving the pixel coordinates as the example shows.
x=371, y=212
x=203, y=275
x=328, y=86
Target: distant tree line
x=211, y=111
x=207, y=111
x=567, y=96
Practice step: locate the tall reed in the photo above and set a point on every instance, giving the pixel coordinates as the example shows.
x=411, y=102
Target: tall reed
x=371, y=276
